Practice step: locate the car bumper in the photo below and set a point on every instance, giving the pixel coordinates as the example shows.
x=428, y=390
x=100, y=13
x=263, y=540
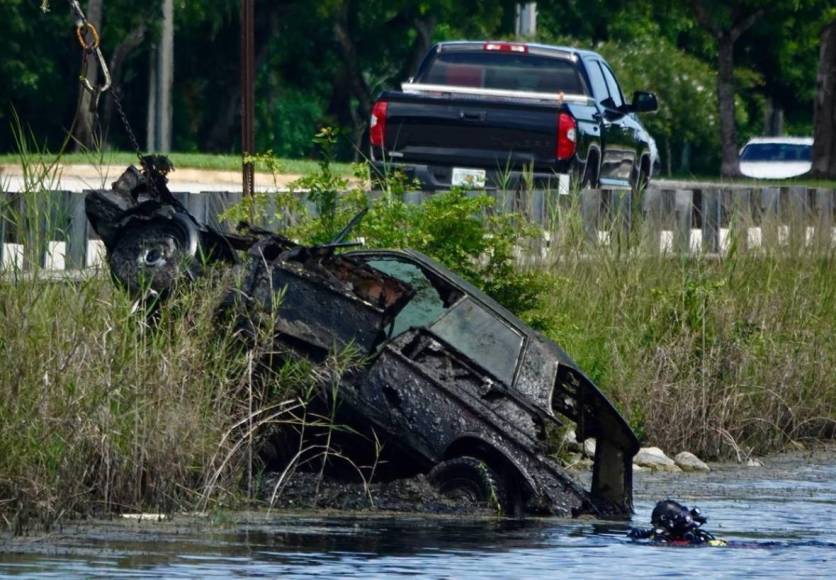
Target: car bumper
x=439, y=177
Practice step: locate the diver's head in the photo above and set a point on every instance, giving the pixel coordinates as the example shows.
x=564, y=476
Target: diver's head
x=673, y=517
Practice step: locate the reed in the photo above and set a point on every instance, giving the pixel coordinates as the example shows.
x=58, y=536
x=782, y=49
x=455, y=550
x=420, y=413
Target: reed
x=723, y=355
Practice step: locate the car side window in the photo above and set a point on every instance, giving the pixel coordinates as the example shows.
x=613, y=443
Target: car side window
x=430, y=300
x=483, y=337
x=612, y=86
x=596, y=79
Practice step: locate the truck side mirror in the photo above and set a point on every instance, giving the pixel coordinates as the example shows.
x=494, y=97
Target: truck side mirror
x=644, y=102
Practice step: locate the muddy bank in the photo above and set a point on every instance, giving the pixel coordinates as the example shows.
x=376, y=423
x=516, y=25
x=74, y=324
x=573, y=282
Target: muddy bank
x=413, y=495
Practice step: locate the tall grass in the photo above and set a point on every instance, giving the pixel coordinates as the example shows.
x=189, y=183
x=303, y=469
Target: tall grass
x=720, y=355
x=106, y=406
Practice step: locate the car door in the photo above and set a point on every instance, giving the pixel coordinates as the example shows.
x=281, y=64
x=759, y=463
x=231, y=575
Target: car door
x=623, y=130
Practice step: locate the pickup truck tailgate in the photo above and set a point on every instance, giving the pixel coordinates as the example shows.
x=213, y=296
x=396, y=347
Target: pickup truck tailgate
x=475, y=132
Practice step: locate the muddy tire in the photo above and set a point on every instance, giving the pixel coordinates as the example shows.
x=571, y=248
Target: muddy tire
x=469, y=480
x=154, y=256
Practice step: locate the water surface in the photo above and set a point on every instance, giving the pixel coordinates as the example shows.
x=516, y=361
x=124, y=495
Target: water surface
x=780, y=521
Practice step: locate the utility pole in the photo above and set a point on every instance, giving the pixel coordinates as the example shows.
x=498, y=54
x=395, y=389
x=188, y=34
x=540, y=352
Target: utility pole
x=526, y=20
x=166, y=78
x=161, y=80
x=247, y=92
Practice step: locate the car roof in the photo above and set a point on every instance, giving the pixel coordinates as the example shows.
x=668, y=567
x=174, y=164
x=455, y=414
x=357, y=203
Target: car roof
x=780, y=140
x=478, y=44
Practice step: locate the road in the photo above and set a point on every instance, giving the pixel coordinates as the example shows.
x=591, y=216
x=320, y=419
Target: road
x=84, y=177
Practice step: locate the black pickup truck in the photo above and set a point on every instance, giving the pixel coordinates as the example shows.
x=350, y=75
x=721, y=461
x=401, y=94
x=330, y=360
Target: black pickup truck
x=501, y=114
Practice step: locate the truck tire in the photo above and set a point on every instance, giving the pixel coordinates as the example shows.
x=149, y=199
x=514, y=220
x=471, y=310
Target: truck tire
x=470, y=480
x=588, y=176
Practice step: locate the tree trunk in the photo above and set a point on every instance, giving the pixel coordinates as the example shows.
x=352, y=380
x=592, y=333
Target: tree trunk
x=726, y=34
x=824, y=114
x=221, y=134
x=424, y=28
x=725, y=102
x=117, y=72
x=151, y=118
x=84, y=125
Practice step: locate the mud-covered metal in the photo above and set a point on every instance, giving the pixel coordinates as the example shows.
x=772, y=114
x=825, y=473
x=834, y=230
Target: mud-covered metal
x=448, y=372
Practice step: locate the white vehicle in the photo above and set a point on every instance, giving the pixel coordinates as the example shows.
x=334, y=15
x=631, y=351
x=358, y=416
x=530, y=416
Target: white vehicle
x=776, y=157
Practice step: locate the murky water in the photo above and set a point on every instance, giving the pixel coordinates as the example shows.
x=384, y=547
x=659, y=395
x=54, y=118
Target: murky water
x=780, y=520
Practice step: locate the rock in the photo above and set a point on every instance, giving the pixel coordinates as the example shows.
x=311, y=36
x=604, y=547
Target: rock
x=589, y=447
x=752, y=462
x=639, y=468
x=687, y=461
x=655, y=459
x=570, y=441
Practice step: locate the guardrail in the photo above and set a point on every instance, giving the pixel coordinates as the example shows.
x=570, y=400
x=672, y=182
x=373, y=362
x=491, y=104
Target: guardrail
x=50, y=230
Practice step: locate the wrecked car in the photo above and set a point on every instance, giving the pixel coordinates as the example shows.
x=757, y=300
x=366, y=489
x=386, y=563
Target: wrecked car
x=453, y=384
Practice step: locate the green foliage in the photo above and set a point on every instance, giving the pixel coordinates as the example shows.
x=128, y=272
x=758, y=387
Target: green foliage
x=285, y=122
x=716, y=356
x=324, y=187
x=685, y=87
x=307, y=78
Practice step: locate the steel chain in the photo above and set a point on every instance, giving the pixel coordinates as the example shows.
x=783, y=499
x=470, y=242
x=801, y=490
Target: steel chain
x=83, y=26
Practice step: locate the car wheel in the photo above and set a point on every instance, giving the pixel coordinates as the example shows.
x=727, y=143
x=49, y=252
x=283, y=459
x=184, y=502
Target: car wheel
x=469, y=480
x=587, y=177
x=154, y=256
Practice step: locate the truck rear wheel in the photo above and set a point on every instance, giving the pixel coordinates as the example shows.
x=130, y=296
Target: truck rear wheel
x=588, y=176
x=470, y=480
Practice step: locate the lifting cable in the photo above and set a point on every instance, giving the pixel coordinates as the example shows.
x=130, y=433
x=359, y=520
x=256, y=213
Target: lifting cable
x=90, y=41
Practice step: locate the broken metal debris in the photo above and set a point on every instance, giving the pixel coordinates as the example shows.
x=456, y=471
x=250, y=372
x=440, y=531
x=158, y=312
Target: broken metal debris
x=453, y=384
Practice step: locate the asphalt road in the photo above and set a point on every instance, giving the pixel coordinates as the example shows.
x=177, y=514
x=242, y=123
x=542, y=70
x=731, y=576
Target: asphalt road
x=85, y=177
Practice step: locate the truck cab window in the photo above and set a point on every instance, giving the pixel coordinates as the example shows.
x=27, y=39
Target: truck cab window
x=599, y=85
x=612, y=86
x=504, y=71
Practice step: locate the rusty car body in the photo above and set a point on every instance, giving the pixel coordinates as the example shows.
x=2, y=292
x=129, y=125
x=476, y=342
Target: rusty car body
x=452, y=381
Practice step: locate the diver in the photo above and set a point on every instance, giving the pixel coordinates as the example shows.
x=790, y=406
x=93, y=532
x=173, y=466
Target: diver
x=675, y=524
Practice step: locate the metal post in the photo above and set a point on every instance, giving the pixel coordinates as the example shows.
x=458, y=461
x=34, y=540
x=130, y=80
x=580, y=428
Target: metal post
x=248, y=92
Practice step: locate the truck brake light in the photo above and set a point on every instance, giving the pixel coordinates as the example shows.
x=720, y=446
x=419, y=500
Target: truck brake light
x=377, y=123
x=567, y=136
x=505, y=47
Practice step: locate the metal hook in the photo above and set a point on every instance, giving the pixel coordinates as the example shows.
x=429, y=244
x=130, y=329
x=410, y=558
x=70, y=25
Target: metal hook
x=105, y=71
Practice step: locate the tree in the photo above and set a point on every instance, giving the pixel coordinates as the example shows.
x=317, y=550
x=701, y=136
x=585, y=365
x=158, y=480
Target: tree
x=687, y=115
x=726, y=22
x=824, y=113
x=84, y=126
